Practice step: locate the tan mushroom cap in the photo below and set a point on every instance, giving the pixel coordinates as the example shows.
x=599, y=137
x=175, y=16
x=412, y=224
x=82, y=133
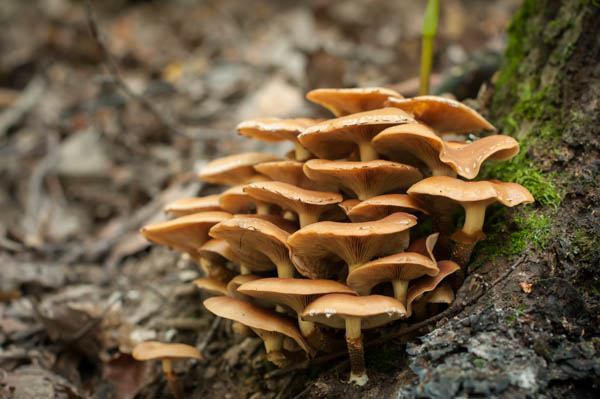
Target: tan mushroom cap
x=186, y=233
x=290, y=172
x=253, y=235
x=187, y=206
x=255, y=317
x=383, y=205
x=404, y=266
x=316, y=248
x=443, y=293
x=466, y=160
x=373, y=310
x=235, y=169
x=424, y=245
x=405, y=142
x=236, y=200
x=279, y=221
x=428, y=283
x=215, y=251
x=337, y=138
x=348, y=204
x=443, y=115
x=211, y=286
x=365, y=179
x=157, y=350
x=307, y=204
x=237, y=282
x=293, y=292
x=350, y=101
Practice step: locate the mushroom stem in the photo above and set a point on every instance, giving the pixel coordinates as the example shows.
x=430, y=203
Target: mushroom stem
x=469, y=234
x=244, y=270
x=358, y=372
x=302, y=154
x=400, y=290
x=307, y=218
x=167, y=366
x=262, y=208
x=216, y=271
x=443, y=170
x=367, y=151
x=444, y=225
x=273, y=342
x=474, y=217
x=285, y=269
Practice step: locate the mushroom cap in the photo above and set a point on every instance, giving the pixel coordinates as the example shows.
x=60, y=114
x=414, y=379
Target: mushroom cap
x=235, y=169
x=443, y=293
x=185, y=233
x=236, y=282
x=293, y=198
x=383, y=205
x=428, y=283
x=253, y=235
x=275, y=129
x=236, y=200
x=350, y=101
x=216, y=251
x=424, y=245
x=443, y=115
x=374, y=310
x=348, y=204
x=187, y=206
x=157, y=350
x=279, y=221
x=467, y=159
x=366, y=179
x=403, y=266
x=316, y=247
x=293, y=292
x=337, y=138
x=290, y=172
x=211, y=285
x=509, y=194
x=255, y=317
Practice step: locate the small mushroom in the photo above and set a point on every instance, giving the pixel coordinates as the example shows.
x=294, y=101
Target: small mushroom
x=442, y=294
x=188, y=206
x=290, y=172
x=213, y=256
x=350, y=101
x=381, y=206
x=167, y=353
x=364, y=179
x=268, y=325
x=420, y=287
x=211, y=286
x=354, y=313
x=235, y=169
x=236, y=200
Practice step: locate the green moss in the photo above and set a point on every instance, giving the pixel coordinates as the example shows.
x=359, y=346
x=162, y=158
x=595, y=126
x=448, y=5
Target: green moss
x=479, y=363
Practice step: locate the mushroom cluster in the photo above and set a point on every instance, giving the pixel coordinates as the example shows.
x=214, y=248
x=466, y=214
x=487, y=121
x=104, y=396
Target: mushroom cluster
x=324, y=241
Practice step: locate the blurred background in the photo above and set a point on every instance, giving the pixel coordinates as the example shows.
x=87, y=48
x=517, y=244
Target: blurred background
x=89, y=153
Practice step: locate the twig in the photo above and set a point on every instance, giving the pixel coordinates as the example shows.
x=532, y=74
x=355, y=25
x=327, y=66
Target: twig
x=211, y=333
x=304, y=391
x=285, y=386
x=455, y=308
x=113, y=69
x=30, y=96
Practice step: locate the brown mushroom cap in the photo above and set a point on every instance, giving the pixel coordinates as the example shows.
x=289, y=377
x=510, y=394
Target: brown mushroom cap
x=211, y=286
x=187, y=206
x=255, y=317
x=186, y=233
x=236, y=200
x=316, y=248
x=213, y=256
x=293, y=292
x=235, y=169
x=365, y=179
x=374, y=310
x=348, y=204
x=428, y=283
x=337, y=138
x=290, y=172
x=248, y=236
x=350, y=101
x=467, y=159
x=157, y=350
x=443, y=115
x=237, y=282
x=383, y=205
x=307, y=204
x=424, y=245
x=404, y=266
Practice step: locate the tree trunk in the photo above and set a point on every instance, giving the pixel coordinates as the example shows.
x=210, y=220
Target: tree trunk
x=541, y=339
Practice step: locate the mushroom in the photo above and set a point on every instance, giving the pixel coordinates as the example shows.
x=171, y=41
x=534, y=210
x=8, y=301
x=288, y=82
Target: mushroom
x=211, y=285
x=213, y=256
x=236, y=200
x=337, y=138
x=167, y=353
x=364, y=179
x=418, y=288
x=442, y=114
x=316, y=248
x=290, y=172
x=442, y=294
x=350, y=101
x=187, y=206
x=235, y=169
x=249, y=236
x=185, y=233
x=383, y=205
x=275, y=129
x=297, y=294
x=399, y=269
x=308, y=204
x=474, y=197
x=354, y=313
x=268, y=325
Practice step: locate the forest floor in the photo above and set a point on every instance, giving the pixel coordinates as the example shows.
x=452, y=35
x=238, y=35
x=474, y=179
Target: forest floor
x=84, y=165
